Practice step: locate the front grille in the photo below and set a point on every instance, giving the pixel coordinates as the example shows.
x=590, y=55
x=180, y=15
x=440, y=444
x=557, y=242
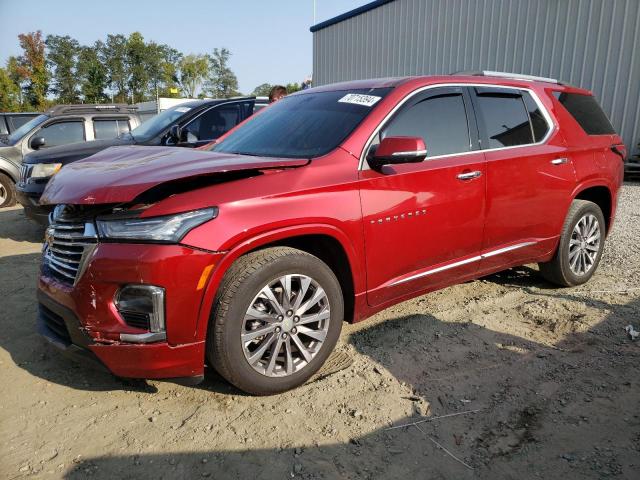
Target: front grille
x=136, y=319
x=55, y=323
x=25, y=173
x=66, y=247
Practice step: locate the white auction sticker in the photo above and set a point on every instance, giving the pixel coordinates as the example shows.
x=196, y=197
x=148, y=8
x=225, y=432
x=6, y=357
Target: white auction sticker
x=358, y=99
x=183, y=109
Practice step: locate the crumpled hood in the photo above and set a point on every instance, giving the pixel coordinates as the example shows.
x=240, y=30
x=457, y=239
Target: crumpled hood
x=120, y=174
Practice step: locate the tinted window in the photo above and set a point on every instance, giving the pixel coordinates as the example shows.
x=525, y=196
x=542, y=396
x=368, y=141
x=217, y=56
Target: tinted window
x=304, y=125
x=213, y=123
x=539, y=125
x=505, y=118
x=587, y=112
x=62, y=133
x=3, y=126
x=441, y=121
x=105, y=129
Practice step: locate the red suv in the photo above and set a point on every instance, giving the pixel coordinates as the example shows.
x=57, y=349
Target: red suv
x=328, y=206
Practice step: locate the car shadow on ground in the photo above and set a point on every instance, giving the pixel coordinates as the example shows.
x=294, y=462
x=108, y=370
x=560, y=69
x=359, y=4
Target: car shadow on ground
x=14, y=226
x=523, y=389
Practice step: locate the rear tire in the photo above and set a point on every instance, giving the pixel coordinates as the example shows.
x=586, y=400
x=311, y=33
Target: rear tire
x=580, y=248
x=7, y=191
x=301, y=327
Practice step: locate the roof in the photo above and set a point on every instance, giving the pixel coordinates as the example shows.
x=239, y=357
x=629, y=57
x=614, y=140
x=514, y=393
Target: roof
x=350, y=14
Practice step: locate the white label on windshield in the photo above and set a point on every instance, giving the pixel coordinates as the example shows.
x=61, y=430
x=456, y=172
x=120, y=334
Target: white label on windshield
x=358, y=99
x=182, y=109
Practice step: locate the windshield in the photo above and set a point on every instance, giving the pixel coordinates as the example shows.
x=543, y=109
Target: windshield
x=16, y=136
x=304, y=125
x=158, y=123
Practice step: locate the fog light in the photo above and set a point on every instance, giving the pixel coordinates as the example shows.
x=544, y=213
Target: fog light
x=142, y=306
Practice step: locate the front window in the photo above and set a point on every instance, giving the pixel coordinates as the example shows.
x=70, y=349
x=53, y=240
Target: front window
x=16, y=136
x=62, y=133
x=155, y=125
x=213, y=123
x=440, y=120
x=304, y=125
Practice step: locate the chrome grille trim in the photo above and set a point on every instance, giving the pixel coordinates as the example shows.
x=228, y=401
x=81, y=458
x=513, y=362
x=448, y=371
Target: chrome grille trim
x=25, y=173
x=66, y=249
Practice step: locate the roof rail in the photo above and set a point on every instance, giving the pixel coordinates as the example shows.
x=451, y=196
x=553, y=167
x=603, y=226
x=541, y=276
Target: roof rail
x=91, y=108
x=516, y=76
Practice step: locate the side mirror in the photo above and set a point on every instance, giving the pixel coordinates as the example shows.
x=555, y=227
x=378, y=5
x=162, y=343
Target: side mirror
x=37, y=142
x=396, y=150
x=177, y=134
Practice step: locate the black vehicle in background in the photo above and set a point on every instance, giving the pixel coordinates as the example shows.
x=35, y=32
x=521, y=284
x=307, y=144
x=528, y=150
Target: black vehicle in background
x=632, y=165
x=60, y=125
x=190, y=124
x=11, y=121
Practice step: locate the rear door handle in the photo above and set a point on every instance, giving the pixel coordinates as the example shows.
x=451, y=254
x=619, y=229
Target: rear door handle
x=559, y=161
x=469, y=175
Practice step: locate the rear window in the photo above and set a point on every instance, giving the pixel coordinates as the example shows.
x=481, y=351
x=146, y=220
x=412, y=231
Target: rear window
x=110, y=128
x=587, y=112
x=505, y=117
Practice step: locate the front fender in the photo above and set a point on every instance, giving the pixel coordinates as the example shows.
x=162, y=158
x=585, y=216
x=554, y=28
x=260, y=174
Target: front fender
x=266, y=238
x=10, y=168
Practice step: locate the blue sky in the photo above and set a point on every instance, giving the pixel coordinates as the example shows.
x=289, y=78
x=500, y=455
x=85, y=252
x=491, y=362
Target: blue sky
x=269, y=40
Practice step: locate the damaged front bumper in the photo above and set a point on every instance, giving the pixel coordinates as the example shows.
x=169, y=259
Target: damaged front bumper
x=83, y=321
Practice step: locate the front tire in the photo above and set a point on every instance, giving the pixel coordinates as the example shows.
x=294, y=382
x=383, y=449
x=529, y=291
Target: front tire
x=276, y=319
x=580, y=248
x=7, y=191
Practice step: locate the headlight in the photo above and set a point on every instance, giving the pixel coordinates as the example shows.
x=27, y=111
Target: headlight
x=45, y=170
x=168, y=229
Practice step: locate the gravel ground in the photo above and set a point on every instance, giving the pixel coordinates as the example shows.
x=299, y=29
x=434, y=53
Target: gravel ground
x=549, y=375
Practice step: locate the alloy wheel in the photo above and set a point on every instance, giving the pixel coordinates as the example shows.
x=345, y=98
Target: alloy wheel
x=285, y=325
x=3, y=194
x=584, y=245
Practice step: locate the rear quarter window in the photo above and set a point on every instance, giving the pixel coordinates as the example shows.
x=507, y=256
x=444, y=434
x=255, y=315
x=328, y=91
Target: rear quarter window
x=586, y=111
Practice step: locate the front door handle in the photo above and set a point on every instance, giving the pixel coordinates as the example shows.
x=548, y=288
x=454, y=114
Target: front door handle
x=559, y=161
x=469, y=175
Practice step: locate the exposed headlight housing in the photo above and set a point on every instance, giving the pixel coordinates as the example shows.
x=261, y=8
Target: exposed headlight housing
x=45, y=170
x=164, y=229
x=142, y=306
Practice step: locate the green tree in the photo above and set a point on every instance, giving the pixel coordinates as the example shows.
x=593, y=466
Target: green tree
x=137, y=67
x=113, y=56
x=92, y=74
x=193, y=72
x=222, y=82
x=170, y=76
x=9, y=93
x=262, y=90
x=32, y=67
x=62, y=59
x=293, y=87
x=13, y=70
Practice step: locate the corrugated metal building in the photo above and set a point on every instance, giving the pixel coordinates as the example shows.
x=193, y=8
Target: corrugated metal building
x=589, y=43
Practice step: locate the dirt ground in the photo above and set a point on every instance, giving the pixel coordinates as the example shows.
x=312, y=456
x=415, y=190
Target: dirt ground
x=550, y=373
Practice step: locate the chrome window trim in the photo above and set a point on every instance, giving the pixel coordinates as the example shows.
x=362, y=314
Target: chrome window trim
x=551, y=123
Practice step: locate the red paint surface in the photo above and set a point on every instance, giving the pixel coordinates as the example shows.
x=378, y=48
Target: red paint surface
x=393, y=225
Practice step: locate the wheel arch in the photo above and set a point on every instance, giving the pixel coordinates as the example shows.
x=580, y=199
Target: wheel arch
x=326, y=242
x=9, y=168
x=602, y=196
